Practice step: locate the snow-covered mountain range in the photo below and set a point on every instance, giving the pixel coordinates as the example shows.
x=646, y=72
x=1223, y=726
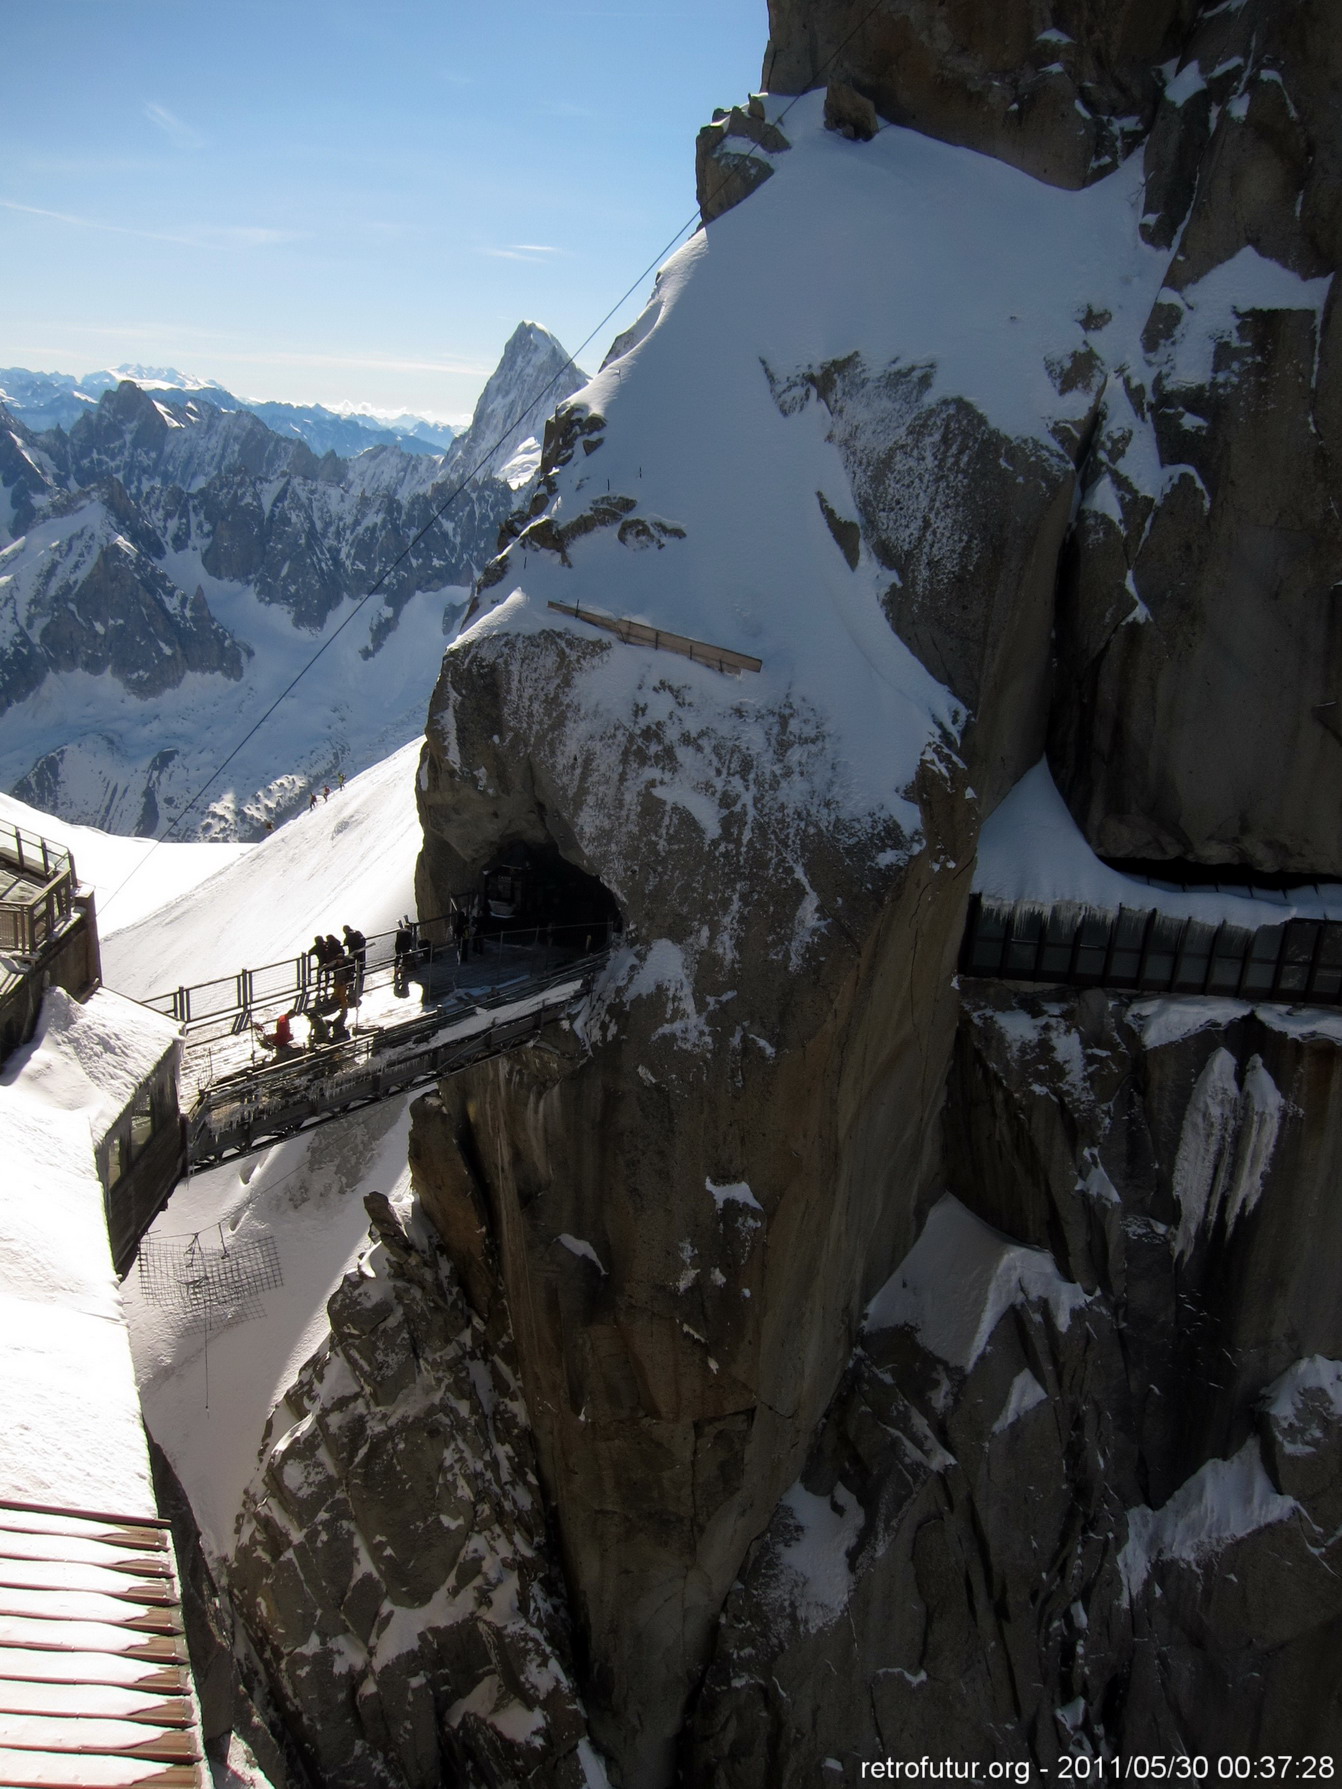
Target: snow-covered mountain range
x=171, y=564
x=58, y=400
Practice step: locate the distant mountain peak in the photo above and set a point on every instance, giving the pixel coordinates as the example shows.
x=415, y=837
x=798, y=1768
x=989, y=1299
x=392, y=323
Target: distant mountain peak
x=508, y=413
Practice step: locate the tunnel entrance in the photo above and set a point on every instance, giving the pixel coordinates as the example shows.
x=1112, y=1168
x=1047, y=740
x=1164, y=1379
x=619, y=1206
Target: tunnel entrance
x=532, y=885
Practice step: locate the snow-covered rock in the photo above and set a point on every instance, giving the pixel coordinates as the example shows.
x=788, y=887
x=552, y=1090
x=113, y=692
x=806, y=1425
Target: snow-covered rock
x=57, y=400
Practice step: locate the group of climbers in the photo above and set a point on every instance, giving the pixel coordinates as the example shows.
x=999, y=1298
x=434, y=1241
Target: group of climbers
x=312, y=795
x=340, y=966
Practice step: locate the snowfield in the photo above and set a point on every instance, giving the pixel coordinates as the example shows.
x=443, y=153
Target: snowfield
x=68, y=1403
x=710, y=391
x=349, y=860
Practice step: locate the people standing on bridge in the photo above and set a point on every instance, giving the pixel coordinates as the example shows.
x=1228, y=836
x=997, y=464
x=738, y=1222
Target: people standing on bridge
x=317, y=956
x=405, y=957
x=356, y=946
x=325, y=951
x=334, y=951
x=343, y=987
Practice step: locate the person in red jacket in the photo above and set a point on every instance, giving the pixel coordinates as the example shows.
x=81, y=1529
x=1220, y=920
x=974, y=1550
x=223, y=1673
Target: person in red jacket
x=282, y=1038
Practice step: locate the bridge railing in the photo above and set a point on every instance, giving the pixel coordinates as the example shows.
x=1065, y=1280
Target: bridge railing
x=1298, y=961
x=295, y=982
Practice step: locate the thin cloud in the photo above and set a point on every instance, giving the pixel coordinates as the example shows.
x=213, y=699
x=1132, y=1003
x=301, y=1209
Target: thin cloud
x=523, y=251
x=362, y=362
x=208, y=236
x=172, y=127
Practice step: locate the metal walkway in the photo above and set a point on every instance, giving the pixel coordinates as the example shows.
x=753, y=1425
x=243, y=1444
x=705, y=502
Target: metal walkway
x=256, y=1106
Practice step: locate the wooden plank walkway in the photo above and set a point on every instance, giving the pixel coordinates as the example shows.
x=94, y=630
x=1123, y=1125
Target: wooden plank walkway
x=95, y=1684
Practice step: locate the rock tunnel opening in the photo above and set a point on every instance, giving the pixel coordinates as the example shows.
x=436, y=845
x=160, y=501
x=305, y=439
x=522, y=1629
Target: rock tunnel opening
x=535, y=885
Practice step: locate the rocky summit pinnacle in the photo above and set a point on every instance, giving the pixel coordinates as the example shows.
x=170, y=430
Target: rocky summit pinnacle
x=532, y=379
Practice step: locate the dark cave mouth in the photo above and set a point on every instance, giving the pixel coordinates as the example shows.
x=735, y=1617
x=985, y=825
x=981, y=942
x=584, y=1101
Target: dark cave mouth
x=526, y=886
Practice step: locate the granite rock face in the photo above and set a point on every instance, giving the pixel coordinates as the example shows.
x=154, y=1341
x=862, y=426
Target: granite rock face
x=1205, y=466
x=1063, y=90
x=654, y=1225
x=1088, y=1498
x=392, y=1560
x=1230, y=543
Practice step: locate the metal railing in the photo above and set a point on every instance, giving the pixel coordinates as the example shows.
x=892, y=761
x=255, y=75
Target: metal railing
x=37, y=891
x=297, y=983
x=1142, y=948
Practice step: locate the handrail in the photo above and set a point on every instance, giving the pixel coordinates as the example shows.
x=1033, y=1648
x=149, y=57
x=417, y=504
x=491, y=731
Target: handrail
x=290, y=979
x=387, y=1038
x=46, y=851
x=639, y=633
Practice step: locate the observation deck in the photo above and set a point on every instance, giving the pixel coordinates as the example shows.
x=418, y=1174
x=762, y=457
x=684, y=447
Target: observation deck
x=48, y=931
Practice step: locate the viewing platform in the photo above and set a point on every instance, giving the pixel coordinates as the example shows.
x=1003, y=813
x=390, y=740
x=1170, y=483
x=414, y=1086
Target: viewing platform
x=48, y=931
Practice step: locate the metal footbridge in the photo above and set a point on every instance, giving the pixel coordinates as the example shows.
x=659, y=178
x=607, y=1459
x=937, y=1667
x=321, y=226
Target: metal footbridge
x=416, y=1015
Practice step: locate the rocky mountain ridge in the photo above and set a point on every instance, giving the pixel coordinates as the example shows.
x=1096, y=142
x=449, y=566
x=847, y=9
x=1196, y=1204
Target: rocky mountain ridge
x=1025, y=459
x=164, y=538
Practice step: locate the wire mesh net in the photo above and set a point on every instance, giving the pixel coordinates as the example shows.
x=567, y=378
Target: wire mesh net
x=209, y=1285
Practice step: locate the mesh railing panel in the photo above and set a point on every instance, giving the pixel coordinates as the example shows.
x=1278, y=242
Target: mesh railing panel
x=1148, y=951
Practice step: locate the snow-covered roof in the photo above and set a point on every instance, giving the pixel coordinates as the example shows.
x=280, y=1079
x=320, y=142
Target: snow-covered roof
x=91, y=1058
x=69, y=1409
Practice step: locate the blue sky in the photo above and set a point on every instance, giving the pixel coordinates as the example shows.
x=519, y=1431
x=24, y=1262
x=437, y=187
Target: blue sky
x=338, y=201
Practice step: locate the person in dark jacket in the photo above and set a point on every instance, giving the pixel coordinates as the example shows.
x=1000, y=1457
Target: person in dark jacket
x=344, y=992
x=317, y=954
x=356, y=946
x=405, y=956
